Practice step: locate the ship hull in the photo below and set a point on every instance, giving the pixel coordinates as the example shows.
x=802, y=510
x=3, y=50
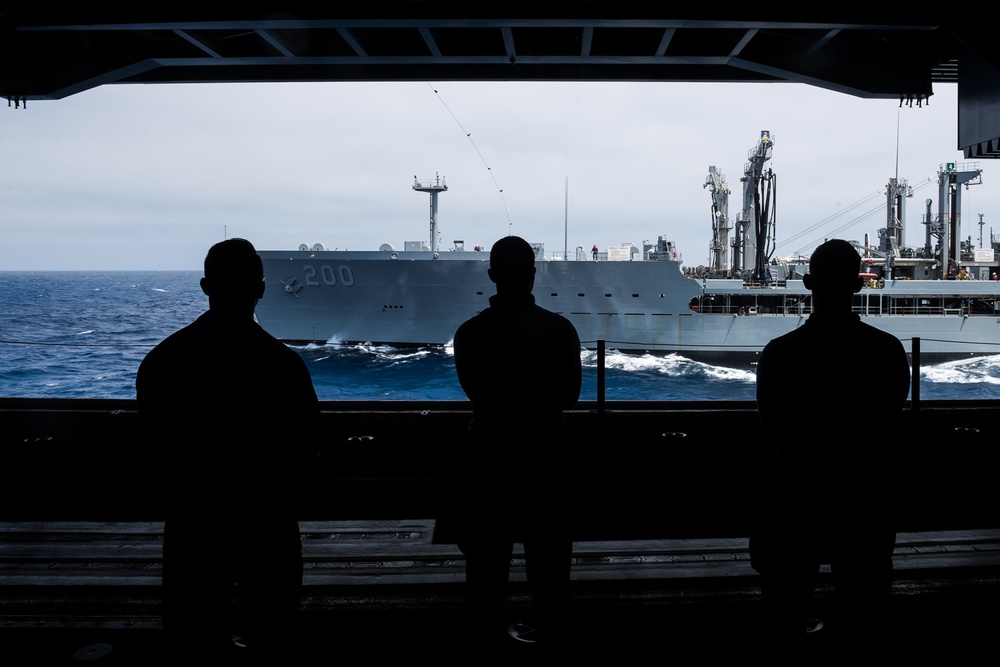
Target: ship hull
x=420, y=298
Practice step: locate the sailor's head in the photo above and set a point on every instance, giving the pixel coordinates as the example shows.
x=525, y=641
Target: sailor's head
x=512, y=262
x=233, y=270
x=834, y=267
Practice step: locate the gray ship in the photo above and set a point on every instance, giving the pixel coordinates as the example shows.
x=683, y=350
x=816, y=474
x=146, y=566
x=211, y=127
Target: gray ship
x=639, y=299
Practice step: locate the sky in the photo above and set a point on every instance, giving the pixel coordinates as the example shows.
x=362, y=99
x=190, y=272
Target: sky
x=132, y=177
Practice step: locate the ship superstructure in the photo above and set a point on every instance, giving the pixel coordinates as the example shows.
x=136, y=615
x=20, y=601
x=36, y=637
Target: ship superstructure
x=638, y=299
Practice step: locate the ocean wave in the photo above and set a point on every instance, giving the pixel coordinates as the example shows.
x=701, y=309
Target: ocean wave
x=312, y=347
x=731, y=374
x=979, y=370
x=395, y=355
x=673, y=365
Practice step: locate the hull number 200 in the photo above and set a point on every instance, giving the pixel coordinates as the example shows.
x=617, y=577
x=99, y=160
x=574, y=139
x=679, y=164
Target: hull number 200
x=328, y=275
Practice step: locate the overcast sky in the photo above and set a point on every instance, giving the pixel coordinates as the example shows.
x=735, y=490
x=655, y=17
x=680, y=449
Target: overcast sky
x=148, y=177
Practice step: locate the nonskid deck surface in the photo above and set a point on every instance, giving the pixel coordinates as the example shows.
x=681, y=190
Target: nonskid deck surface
x=81, y=586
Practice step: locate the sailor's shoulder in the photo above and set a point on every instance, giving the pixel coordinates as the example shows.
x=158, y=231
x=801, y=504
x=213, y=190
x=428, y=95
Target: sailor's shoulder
x=184, y=337
x=477, y=320
x=868, y=332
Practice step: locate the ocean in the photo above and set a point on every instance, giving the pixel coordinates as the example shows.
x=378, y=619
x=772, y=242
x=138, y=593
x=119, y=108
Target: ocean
x=66, y=334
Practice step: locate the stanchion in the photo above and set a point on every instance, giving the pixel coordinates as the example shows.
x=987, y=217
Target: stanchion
x=600, y=377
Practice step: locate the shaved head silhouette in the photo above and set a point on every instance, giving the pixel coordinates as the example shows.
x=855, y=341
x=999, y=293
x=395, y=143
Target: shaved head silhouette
x=512, y=264
x=834, y=268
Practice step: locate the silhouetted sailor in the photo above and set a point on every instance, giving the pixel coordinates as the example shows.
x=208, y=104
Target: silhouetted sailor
x=234, y=414
x=519, y=364
x=830, y=396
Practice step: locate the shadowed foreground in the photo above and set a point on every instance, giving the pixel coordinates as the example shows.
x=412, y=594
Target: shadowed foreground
x=386, y=591
x=660, y=568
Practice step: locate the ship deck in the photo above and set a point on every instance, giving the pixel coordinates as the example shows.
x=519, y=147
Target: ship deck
x=661, y=563
x=386, y=589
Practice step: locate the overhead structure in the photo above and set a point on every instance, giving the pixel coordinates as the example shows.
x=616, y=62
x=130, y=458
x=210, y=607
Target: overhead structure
x=49, y=51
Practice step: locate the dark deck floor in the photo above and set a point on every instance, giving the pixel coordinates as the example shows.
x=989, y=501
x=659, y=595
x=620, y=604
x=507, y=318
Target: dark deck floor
x=384, y=591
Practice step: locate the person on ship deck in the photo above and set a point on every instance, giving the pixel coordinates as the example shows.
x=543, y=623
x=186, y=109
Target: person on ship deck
x=516, y=458
x=827, y=496
x=235, y=415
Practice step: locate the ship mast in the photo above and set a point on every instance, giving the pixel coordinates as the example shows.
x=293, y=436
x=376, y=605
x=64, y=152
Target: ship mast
x=756, y=222
x=951, y=178
x=892, y=237
x=433, y=187
x=719, y=252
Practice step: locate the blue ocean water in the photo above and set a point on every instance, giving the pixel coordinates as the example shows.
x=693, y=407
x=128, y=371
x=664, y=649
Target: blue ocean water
x=83, y=334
